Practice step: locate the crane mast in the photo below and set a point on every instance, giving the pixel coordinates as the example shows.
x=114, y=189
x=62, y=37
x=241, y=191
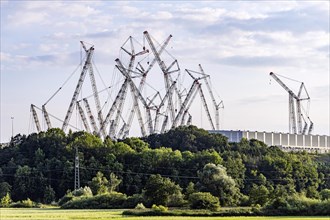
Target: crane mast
x=78, y=87
x=160, y=106
x=113, y=108
x=163, y=68
x=96, y=95
x=184, y=104
x=205, y=105
x=83, y=117
x=35, y=117
x=216, y=106
x=46, y=116
x=90, y=115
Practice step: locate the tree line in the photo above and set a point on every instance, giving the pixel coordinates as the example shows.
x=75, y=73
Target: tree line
x=170, y=169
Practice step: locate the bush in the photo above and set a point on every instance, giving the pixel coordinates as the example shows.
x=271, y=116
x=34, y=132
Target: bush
x=140, y=206
x=5, y=201
x=112, y=200
x=28, y=203
x=133, y=200
x=204, y=200
x=159, y=208
x=66, y=198
x=86, y=191
x=297, y=205
x=325, y=194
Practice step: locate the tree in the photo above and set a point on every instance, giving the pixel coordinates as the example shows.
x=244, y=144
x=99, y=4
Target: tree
x=4, y=189
x=158, y=190
x=214, y=179
x=259, y=195
x=204, y=200
x=99, y=184
x=113, y=182
x=49, y=195
x=5, y=201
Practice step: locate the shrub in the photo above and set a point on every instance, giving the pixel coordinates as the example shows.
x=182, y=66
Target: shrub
x=28, y=203
x=133, y=200
x=66, y=198
x=105, y=201
x=325, y=194
x=204, y=200
x=5, y=201
x=140, y=206
x=86, y=191
x=159, y=208
x=297, y=205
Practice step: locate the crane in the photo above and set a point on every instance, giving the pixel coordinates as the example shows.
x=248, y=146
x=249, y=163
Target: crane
x=35, y=117
x=295, y=113
x=184, y=104
x=79, y=85
x=164, y=70
x=216, y=105
x=136, y=95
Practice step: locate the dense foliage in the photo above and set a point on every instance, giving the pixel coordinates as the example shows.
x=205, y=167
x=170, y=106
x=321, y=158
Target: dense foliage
x=162, y=169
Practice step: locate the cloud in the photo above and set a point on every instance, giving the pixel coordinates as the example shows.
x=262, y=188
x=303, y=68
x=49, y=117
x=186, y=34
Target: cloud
x=255, y=61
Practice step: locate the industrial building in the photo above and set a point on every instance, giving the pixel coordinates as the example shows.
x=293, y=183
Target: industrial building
x=286, y=141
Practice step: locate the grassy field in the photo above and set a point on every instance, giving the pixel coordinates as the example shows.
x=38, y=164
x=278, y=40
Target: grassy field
x=61, y=214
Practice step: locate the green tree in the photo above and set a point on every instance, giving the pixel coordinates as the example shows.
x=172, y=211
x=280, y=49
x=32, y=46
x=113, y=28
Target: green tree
x=325, y=194
x=259, y=195
x=204, y=200
x=158, y=190
x=4, y=189
x=99, y=184
x=6, y=200
x=49, y=195
x=214, y=179
x=113, y=182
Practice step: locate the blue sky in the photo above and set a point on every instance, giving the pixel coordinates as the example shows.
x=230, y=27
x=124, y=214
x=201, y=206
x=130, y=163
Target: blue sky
x=237, y=42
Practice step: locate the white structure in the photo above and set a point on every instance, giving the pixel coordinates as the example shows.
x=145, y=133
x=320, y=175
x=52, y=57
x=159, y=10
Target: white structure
x=286, y=141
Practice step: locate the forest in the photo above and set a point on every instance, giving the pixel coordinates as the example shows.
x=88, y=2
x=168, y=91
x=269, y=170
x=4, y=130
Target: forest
x=184, y=167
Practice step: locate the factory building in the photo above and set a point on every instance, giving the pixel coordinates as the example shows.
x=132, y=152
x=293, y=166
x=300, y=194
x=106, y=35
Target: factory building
x=286, y=141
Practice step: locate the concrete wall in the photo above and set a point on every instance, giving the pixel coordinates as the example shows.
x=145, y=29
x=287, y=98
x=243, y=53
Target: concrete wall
x=320, y=143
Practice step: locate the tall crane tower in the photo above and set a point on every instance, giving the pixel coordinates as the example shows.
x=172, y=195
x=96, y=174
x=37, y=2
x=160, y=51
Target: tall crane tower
x=296, y=113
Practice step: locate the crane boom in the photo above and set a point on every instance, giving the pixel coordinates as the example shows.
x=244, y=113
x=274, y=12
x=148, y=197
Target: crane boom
x=160, y=106
x=90, y=115
x=46, y=116
x=186, y=111
x=96, y=95
x=137, y=95
x=113, y=108
x=78, y=88
x=205, y=105
x=216, y=106
x=184, y=104
x=83, y=117
x=35, y=117
x=163, y=68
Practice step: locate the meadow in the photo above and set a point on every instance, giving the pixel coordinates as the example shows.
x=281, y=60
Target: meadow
x=105, y=214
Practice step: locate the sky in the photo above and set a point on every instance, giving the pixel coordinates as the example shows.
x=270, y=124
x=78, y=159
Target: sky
x=238, y=43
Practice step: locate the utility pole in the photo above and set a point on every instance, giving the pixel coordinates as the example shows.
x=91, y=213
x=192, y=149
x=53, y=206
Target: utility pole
x=76, y=171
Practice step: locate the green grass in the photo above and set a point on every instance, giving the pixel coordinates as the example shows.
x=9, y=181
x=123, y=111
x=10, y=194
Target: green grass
x=103, y=214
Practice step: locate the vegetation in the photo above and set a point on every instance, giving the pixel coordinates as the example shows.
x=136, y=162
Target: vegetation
x=185, y=167
x=102, y=214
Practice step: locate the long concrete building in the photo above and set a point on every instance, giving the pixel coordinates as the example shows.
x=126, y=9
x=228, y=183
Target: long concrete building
x=286, y=141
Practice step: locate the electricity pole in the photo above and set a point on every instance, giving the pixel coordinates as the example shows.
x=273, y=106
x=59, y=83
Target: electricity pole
x=76, y=171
